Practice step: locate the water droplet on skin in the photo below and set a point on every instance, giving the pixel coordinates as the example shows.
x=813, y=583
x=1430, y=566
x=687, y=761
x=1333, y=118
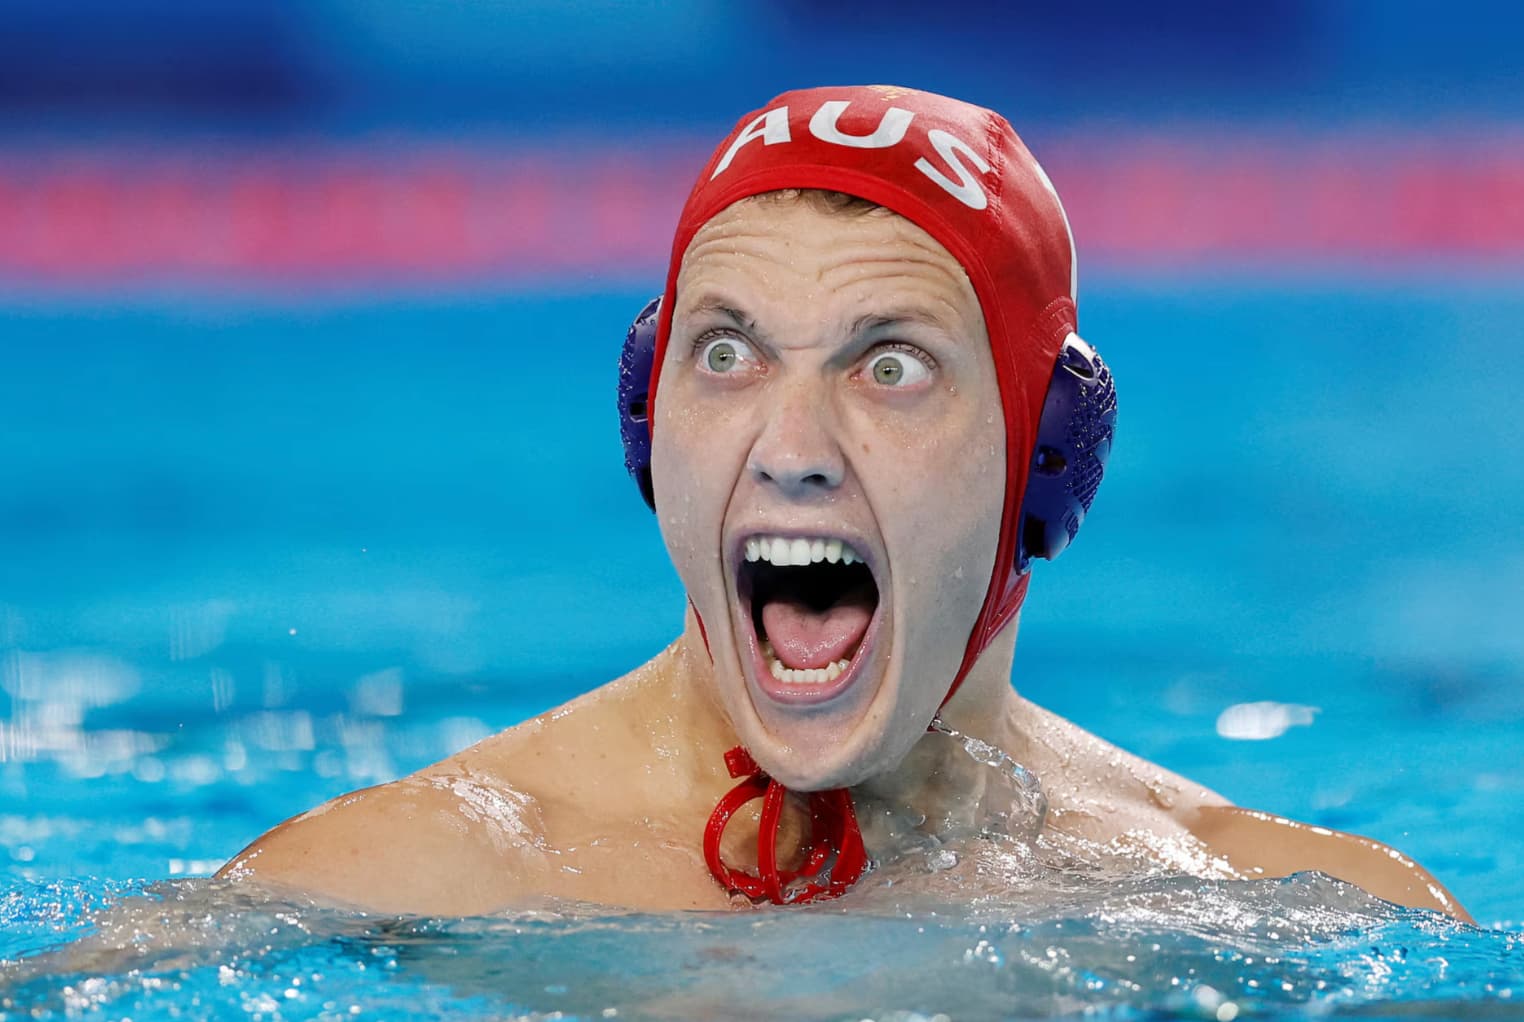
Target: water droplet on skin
x=941, y=859
x=1162, y=795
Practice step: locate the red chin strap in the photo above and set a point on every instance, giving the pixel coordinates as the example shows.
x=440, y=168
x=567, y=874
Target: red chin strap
x=833, y=829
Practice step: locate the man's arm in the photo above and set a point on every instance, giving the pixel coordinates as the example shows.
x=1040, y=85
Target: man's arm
x=428, y=845
x=1260, y=844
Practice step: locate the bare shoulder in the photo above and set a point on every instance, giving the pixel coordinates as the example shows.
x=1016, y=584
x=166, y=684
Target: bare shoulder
x=1099, y=790
x=1101, y=793
x=1261, y=844
x=489, y=827
x=407, y=845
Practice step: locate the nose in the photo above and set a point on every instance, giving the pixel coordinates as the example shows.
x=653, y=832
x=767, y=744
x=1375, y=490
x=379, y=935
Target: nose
x=796, y=450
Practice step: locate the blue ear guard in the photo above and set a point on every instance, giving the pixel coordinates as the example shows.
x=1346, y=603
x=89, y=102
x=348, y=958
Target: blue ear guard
x=1079, y=416
x=635, y=363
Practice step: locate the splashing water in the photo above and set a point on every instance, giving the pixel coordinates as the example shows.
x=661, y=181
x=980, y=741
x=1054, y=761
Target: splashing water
x=995, y=831
x=921, y=937
x=1161, y=945
x=1029, y=807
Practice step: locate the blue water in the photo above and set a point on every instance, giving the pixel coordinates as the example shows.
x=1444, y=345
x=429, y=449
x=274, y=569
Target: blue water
x=253, y=555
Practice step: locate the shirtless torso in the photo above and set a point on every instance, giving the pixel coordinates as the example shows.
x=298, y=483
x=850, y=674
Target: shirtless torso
x=604, y=800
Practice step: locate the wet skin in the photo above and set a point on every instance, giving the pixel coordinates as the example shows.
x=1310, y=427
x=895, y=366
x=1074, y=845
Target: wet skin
x=828, y=375
x=800, y=437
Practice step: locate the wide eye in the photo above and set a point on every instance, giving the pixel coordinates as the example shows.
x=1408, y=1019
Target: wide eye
x=897, y=369
x=725, y=354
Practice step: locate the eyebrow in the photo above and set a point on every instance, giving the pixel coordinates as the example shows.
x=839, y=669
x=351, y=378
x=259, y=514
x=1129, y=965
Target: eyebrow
x=878, y=321
x=718, y=307
x=861, y=326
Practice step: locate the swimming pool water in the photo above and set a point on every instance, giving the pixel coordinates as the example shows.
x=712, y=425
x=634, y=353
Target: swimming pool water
x=252, y=556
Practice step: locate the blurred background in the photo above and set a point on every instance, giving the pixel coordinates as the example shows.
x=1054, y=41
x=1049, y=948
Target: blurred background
x=309, y=470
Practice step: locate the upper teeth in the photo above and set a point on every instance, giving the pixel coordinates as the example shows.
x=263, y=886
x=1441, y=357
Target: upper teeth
x=787, y=552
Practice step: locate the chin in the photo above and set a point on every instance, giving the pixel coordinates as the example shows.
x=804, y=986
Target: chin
x=814, y=692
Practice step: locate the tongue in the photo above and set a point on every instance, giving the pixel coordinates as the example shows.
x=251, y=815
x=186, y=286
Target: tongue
x=803, y=637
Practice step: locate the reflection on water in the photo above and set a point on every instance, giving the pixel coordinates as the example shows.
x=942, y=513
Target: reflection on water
x=50, y=693
x=165, y=768
x=1264, y=719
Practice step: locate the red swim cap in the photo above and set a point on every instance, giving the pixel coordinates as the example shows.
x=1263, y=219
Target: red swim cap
x=961, y=174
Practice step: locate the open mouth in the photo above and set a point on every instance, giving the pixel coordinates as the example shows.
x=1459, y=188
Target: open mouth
x=811, y=602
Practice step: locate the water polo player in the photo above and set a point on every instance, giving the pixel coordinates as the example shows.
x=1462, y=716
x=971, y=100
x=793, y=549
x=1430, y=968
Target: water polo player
x=861, y=411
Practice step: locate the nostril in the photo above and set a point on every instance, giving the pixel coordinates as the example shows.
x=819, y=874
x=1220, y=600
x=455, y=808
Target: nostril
x=797, y=481
x=796, y=466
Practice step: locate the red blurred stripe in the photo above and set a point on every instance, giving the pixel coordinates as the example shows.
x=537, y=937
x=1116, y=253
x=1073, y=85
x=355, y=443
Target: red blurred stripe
x=439, y=214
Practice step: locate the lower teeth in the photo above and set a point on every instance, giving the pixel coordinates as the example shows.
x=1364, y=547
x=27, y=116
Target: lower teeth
x=803, y=676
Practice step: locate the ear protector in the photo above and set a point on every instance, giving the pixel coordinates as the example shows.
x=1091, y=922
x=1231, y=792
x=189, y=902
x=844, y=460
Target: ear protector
x=1079, y=417
x=635, y=364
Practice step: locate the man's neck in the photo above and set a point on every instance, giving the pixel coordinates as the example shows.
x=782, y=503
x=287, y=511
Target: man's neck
x=937, y=778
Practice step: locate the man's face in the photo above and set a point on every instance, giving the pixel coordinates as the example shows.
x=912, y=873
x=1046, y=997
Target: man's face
x=828, y=396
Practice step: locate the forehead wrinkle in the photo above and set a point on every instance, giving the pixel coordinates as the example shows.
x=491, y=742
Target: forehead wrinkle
x=893, y=298
x=746, y=229
x=931, y=273
x=904, y=272
x=721, y=253
x=739, y=230
x=870, y=259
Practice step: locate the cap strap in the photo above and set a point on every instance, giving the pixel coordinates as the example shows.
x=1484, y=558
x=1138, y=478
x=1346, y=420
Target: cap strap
x=833, y=832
